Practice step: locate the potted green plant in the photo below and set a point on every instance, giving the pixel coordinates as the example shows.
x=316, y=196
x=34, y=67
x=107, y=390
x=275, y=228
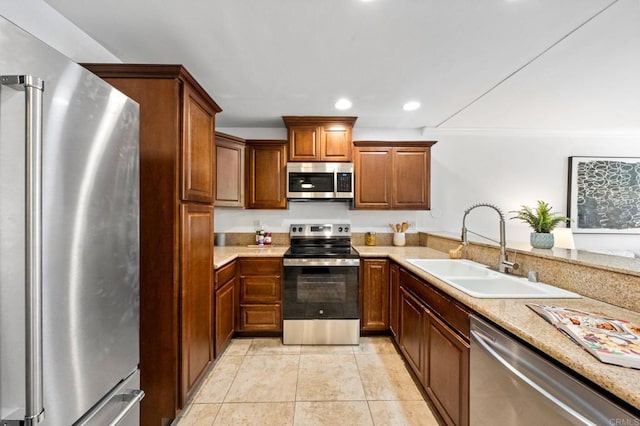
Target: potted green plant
x=542, y=221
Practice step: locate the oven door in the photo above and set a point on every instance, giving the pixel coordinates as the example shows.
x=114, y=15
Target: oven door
x=320, y=302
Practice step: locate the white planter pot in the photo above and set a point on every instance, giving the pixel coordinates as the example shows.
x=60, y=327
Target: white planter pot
x=541, y=240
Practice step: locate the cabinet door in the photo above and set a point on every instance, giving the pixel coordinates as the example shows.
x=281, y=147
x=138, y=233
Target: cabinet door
x=266, y=176
x=225, y=315
x=229, y=172
x=446, y=377
x=411, y=321
x=260, y=317
x=373, y=178
x=375, y=295
x=304, y=143
x=411, y=178
x=260, y=288
x=335, y=143
x=394, y=301
x=196, y=281
x=198, y=142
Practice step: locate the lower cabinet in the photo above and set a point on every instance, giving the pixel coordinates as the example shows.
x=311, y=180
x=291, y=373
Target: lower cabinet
x=437, y=352
x=260, y=294
x=225, y=303
x=374, y=285
x=412, y=315
x=446, y=371
x=196, y=325
x=394, y=301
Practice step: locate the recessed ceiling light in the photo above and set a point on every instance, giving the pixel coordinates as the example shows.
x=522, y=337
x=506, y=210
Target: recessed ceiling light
x=411, y=106
x=343, y=104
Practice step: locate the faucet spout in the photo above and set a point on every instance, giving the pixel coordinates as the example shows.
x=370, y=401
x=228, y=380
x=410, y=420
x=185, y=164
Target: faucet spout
x=503, y=263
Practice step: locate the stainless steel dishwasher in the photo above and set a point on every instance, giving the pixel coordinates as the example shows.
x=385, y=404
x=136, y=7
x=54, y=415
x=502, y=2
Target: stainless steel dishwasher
x=511, y=384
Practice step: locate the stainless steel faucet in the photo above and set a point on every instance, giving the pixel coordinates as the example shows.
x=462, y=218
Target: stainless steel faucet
x=503, y=264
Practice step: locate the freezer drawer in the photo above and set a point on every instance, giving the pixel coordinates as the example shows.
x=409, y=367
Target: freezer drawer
x=121, y=406
x=512, y=384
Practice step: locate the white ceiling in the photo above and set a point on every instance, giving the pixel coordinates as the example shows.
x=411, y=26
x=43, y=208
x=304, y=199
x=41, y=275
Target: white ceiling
x=262, y=59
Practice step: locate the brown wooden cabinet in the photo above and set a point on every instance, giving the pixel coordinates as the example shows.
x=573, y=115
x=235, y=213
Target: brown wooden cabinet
x=196, y=319
x=260, y=301
x=230, y=161
x=446, y=371
x=392, y=175
x=319, y=138
x=225, y=305
x=434, y=338
x=374, y=285
x=198, y=142
x=411, y=335
x=266, y=174
x=394, y=301
x=176, y=194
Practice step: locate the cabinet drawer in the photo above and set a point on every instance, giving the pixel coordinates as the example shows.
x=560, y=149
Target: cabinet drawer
x=446, y=308
x=259, y=266
x=260, y=317
x=260, y=289
x=224, y=274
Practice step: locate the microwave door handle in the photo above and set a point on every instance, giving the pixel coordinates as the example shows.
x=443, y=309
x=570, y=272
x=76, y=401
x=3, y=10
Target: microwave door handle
x=335, y=183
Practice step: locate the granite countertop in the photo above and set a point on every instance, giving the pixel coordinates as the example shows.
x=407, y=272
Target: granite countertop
x=514, y=316
x=225, y=254
x=511, y=314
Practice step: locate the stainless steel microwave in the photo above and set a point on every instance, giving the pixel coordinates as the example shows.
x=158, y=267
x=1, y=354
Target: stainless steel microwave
x=320, y=181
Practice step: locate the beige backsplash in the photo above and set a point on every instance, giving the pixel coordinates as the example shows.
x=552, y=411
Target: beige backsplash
x=600, y=283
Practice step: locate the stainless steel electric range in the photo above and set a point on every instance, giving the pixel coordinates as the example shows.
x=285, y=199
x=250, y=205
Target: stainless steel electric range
x=321, y=295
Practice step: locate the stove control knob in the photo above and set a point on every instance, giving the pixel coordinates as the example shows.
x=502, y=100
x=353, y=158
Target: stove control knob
x=346, y=229
x=340, y=229
x=293, y=229
x=300, y=229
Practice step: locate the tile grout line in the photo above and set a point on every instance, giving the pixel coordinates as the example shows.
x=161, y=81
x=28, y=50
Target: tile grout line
x=235, y=376
x=295, y=395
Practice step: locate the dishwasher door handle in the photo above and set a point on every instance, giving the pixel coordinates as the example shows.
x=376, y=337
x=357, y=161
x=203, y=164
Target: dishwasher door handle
x=481, y=340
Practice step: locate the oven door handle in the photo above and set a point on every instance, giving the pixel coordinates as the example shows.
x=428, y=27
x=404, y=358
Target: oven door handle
x=320, y=262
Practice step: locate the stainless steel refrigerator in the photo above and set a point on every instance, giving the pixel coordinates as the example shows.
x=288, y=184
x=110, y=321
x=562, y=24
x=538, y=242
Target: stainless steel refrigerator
x=69, y=249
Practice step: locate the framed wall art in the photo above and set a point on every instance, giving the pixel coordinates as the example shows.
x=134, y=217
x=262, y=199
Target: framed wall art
x=604, y=195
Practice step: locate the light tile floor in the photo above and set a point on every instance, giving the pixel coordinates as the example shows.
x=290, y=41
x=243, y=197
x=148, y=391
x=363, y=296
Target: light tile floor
x=262, y=382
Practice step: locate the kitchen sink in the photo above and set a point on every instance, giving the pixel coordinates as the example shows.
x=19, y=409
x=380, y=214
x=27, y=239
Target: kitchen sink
x=451, y=268
x=477, y=280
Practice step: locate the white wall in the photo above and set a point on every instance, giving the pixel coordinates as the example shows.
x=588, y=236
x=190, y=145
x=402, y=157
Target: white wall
x=508, y=169
x=44, y=22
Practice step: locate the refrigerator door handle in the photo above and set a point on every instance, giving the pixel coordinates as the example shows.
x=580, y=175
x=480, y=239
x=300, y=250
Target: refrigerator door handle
x=33, y=88
x=134, y=397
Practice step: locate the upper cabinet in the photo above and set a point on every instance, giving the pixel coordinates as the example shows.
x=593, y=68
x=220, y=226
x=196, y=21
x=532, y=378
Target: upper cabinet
x=176, y=108
x=392, y=175
x=229, y=171
x=319, y=138
x=266, y=174
x=198, y=142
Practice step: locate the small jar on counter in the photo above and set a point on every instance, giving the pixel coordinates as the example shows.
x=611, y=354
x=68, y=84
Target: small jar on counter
x=267, y=238
x=370, y=239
